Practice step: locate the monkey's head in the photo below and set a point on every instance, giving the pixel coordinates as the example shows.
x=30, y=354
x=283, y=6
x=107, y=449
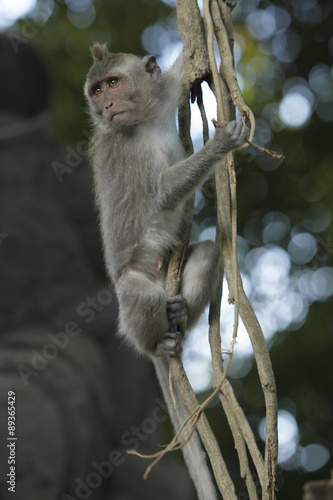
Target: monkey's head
x=122, y=89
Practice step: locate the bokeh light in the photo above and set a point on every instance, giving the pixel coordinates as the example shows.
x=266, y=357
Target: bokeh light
x=170, y=3
x=320, y=79
x=302, y=248
x=295, y=109
x=307, y=11
x=276, y=227
x=313, y=457
x=261, y=24
x=11, y=11
x=197, y=357
x=79, y=5
x=156, y=38
x=286, y=46
x=310, y=188
x=82, y=18
x=316, y=218
x=288, y=435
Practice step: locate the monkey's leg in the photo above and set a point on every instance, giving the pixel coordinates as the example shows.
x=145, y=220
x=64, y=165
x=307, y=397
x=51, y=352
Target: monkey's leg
x=143, y=318
x=199, y=278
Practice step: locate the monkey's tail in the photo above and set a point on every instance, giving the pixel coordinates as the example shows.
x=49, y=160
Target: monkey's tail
x=195, y=457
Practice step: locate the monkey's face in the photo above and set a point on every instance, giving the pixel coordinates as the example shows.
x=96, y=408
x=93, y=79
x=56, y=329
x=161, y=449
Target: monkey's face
x=113, y=99
x=120, y=90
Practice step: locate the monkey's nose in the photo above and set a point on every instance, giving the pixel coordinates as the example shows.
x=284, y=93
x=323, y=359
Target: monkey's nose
x=109, y=106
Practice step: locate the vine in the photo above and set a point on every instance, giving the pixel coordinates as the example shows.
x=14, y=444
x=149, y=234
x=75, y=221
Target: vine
x=199, y=64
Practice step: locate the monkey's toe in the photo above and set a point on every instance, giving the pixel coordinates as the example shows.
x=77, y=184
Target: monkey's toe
x=171, y=344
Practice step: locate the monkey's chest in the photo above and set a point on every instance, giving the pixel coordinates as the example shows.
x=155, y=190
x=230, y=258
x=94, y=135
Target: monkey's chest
x=127, y=196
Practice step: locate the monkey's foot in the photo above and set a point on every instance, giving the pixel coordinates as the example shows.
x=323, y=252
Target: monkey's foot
x=177, y=311
x=171, y=344
x=231, y=3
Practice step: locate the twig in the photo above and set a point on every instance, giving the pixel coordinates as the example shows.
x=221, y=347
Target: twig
x=269, y=152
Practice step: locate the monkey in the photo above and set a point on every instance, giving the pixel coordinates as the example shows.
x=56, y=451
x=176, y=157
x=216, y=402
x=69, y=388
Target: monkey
x=142, y=182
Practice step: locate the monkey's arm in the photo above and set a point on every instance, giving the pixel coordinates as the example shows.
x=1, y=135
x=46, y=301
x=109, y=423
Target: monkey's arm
x=179, y=181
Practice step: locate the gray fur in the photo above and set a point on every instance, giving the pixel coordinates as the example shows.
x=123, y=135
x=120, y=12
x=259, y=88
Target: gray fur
x=142, y=181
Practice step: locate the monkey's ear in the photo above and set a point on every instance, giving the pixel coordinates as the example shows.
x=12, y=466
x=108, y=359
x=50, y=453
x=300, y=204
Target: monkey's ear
x=98, y=51
x=152, y=67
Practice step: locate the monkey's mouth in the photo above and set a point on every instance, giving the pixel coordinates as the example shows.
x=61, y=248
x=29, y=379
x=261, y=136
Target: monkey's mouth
x=117, y=114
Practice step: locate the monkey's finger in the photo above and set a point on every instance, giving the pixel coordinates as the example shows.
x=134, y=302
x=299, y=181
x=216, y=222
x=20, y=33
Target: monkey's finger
x=177, y=310
x=176, y=304
x=221, y=124
x=232, y=127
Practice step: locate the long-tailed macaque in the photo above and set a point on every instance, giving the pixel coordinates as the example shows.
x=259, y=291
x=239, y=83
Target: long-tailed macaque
x=142, y=182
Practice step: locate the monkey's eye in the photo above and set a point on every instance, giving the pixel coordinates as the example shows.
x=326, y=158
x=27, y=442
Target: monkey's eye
x=98, y=90
x=113, y=82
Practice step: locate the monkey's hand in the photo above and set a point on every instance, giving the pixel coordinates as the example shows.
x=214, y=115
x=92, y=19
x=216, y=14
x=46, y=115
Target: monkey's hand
x=177, y=312
x=234, y=136
x=171, y=344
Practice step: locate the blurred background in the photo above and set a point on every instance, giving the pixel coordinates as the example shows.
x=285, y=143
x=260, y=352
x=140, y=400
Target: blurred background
x=81, y=392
